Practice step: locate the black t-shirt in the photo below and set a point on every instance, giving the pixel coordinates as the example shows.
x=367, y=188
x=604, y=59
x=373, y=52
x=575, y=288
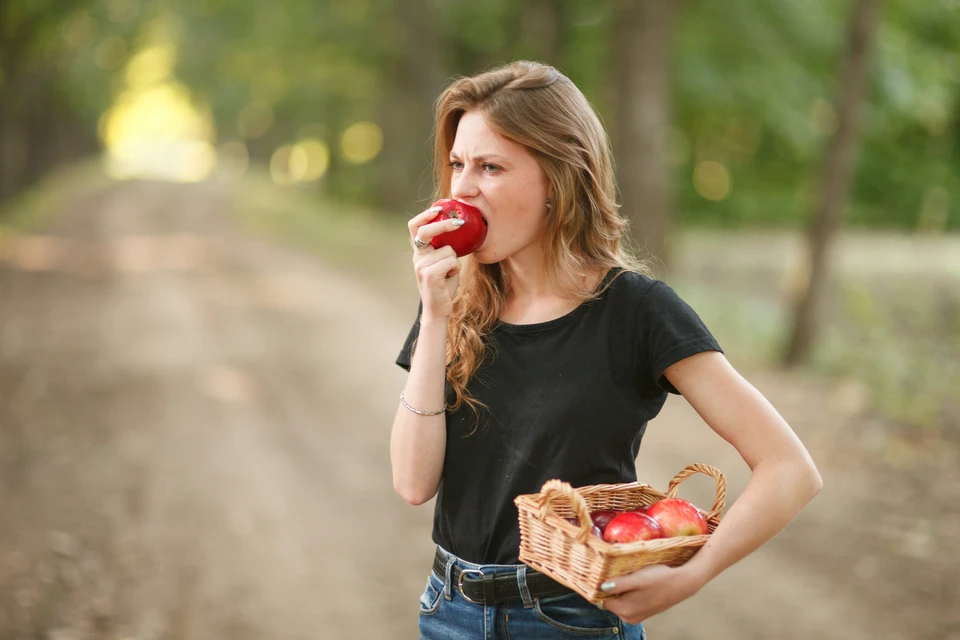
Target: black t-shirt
x=569, y=398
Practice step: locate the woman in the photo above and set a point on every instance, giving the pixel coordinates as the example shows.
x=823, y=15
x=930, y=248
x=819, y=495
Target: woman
x=543, y=355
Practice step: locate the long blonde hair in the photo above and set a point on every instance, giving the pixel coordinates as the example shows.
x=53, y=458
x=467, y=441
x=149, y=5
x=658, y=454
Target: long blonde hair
x=538, y=107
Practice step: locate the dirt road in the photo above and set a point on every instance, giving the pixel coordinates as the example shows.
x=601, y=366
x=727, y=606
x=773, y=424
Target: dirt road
x=193, y=445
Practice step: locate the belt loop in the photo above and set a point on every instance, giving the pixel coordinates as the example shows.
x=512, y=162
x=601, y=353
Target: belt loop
x=524, y=590
x=448, y=577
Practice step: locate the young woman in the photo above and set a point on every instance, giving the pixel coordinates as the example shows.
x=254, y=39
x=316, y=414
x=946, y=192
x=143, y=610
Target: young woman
x=543, y=355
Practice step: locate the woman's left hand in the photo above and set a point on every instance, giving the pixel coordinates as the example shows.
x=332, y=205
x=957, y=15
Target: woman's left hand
x=644, y=593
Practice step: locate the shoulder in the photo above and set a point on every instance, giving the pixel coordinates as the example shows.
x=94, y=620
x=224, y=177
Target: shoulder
x=648, y=300
x=632, y=287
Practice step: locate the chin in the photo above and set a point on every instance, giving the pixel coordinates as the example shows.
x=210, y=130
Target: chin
x=485, y=256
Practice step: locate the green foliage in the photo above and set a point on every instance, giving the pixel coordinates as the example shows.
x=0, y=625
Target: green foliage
x=754, y=84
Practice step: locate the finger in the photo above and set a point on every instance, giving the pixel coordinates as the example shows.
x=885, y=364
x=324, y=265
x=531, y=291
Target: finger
x=631, y=581
x=446, y=268
x=431, y=230
x=427, y=258
x=422, y=218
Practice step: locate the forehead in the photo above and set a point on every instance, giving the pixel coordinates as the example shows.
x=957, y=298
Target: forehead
x=476, y=137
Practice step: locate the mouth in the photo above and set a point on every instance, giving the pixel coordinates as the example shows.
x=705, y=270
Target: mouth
x=482, y=215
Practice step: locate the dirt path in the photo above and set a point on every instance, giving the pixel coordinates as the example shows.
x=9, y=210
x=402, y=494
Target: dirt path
x=193, y=444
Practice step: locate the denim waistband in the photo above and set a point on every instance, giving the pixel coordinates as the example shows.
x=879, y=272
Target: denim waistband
x=453, y=565
x=486, y=568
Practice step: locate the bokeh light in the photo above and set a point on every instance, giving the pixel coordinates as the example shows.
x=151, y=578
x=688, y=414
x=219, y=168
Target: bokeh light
x=313, y=159
x=712, y=180
x=150, y=66
x=305, y=161
x=361, y=142
x=154, y=129
x=280, y=166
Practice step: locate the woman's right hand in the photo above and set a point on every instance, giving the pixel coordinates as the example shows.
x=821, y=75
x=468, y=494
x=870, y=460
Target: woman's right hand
x=438, y=270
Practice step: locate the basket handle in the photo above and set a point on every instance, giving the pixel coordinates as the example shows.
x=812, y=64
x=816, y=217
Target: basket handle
x=557, y=489
x=715, y=473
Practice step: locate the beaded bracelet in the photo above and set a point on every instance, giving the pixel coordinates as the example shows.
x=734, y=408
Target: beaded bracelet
x=417, y=411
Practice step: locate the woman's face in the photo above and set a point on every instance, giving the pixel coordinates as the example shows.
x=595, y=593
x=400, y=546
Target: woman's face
x=502, y=179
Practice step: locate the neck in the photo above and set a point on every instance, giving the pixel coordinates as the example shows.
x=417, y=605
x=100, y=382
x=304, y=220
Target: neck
x=527, y=275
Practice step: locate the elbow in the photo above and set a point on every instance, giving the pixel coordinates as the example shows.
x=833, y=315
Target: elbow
x=413, y=494
x=816, y=481
x=807, y=479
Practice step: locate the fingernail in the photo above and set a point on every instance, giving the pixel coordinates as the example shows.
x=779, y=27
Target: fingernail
x=608, y=586
x=436, y=209
x=459, y=222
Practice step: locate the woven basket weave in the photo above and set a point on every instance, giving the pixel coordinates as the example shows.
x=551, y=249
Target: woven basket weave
x=575, y=557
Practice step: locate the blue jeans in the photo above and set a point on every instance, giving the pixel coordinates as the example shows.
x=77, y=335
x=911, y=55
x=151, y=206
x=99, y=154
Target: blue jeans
x=446, y=615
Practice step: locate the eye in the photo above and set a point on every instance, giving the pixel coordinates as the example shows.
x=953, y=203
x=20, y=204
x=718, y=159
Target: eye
x=491, y=168
x=456, y=165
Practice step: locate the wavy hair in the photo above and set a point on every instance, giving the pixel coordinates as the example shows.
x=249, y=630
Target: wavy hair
x=538, y=107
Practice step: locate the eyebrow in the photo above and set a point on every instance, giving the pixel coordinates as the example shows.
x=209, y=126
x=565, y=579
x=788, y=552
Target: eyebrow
x=482, y=158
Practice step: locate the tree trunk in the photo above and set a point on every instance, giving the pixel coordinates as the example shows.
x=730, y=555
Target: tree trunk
x=412, y=83
x=540, y=34
x=642, y=44
x=835, y=180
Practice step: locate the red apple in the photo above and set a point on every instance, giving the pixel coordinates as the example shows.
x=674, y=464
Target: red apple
x=677, y=517
x=632, y=527
x=465, y=239
x=594, y=529
x=602, y=517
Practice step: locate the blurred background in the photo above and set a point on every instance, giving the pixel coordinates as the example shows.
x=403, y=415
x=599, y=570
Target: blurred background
x=205, y=279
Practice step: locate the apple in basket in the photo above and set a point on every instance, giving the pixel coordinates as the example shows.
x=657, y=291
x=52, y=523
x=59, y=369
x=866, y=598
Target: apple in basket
x=632, y=526
x=602, y=517
x=595, y=530
x=677, y=517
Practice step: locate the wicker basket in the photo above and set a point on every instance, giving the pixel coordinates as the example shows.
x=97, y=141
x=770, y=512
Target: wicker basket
x=575, y=557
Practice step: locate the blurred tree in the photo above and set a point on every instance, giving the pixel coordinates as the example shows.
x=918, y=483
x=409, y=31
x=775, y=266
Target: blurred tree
x=539, y=32
x=641, y=60
x=39, y=126
x=411, y=81
x=836, y=177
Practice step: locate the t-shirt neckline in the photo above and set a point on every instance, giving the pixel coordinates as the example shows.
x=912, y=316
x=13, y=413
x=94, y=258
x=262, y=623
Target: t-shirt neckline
x=556, y=322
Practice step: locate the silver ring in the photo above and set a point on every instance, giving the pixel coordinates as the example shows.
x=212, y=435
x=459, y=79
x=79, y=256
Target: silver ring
x=420, y=244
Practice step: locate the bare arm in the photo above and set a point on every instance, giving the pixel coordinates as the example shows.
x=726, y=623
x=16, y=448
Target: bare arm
x=783, y=480
x=418, y=442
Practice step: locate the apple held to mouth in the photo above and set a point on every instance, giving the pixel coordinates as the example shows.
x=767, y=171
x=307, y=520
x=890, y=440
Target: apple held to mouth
x=632, y=526
x=677, y=517
x=465, y=239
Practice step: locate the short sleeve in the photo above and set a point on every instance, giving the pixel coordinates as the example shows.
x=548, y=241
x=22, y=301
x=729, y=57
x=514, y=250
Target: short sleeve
x=669, y=330
x=406, y=353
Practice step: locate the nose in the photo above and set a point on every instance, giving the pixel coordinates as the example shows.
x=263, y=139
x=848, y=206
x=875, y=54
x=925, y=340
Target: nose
x=464, y=185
